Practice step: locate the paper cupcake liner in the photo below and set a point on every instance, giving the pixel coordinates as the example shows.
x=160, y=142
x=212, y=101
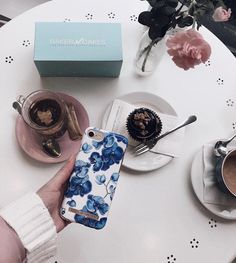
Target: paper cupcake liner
x=134, y=134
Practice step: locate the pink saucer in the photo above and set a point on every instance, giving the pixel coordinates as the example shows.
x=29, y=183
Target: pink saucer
x=30, y=141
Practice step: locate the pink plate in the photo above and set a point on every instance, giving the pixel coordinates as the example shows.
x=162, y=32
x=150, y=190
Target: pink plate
x=30, y=141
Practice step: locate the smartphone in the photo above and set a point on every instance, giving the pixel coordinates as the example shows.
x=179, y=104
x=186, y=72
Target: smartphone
x=93, y=182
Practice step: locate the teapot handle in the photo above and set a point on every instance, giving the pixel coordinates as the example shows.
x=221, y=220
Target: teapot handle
x=17, y=105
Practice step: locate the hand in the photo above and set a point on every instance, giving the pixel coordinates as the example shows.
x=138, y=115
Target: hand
x=52, y=193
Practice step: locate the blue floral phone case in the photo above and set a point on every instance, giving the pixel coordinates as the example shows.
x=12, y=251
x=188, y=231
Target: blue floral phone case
x=94, y=179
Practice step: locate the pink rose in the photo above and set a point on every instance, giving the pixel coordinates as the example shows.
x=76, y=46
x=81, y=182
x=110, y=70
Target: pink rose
x=221, y=14
x=188, y=48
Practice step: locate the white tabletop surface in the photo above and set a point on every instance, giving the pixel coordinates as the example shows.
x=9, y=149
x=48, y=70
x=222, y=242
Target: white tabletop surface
x=155, y=217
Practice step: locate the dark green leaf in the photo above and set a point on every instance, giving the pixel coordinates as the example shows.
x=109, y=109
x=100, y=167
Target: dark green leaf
x=202, y=2
x=159, y=4
x=152, y=2
x=155, y=32
x=180, y=22
x=198, y=25
x=161, y=19
x=204, y=7
x=145, y=18
x=172, y=3
x=191, y=11
x=168, y=10
x=188, y=20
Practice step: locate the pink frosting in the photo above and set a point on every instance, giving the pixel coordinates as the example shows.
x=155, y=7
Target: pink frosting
x=188, y=48
x=221, y=14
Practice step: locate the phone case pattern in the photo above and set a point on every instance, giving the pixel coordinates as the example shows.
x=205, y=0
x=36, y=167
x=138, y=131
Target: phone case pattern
x=94, y=179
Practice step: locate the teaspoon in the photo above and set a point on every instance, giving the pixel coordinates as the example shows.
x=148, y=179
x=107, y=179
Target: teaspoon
x=220, y=148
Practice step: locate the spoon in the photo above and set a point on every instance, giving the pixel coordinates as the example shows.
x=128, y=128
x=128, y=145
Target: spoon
x=51, y=147
x=220, y=148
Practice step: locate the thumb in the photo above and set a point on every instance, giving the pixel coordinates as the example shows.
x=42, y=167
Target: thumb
x=64, y=173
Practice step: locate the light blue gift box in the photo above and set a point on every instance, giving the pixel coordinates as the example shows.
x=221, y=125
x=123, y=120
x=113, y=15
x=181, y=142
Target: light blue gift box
x=78, y=49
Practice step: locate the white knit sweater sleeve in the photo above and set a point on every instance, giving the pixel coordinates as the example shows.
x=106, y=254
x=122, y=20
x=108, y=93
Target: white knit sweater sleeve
x=31, y=220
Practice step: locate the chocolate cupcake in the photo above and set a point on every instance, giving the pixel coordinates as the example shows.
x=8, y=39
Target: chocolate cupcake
x=143, y=124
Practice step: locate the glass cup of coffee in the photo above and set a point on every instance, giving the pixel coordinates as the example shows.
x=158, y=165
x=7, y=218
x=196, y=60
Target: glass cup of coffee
x=44, y=111
x=225, y=172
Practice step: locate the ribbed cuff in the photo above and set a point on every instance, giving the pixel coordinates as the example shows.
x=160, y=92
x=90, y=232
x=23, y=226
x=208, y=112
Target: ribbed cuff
x=31, y=220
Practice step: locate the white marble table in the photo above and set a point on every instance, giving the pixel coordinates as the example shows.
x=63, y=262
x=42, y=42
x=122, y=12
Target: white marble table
x=155, y=216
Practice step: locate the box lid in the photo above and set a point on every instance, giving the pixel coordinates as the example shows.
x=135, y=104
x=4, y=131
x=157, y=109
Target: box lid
x=73, y=41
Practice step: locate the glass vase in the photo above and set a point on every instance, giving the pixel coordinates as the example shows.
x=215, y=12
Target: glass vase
x=149, y=54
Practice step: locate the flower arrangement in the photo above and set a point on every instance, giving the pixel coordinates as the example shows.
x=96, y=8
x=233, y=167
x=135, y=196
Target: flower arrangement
x=187, y=47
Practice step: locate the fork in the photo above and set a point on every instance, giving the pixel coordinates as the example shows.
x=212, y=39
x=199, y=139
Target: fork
x=148, y=145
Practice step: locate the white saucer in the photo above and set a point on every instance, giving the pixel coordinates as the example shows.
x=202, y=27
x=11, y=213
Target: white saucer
x=148, y=161
x=197, y=184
